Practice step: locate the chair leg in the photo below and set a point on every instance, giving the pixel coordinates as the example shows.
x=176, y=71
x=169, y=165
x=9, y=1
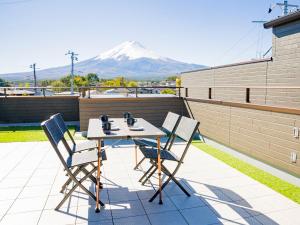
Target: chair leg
x=78, y=183
x=162, y=187
x=167, y=172
x=145, y=174
x=139, y=163
x=170, y=177
x=150, y=175
x=69, y=180
x=77, y=171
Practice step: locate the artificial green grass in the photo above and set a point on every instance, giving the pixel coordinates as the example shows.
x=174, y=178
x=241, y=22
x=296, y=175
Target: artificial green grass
x=24, y=134
x=289, y=190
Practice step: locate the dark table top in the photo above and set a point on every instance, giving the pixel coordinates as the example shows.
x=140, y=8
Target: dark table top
x=96, y=132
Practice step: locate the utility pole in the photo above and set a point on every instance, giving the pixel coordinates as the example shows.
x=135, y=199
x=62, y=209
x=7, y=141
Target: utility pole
x=33, y=66
x=73, y=57
x=284, y=6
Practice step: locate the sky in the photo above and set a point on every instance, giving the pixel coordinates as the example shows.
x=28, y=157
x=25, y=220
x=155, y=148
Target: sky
x=195, y=31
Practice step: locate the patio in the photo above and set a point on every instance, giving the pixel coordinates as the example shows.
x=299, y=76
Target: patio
x=31, y=177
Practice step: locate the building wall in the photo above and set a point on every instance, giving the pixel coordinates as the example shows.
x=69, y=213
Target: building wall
x=153, y=110
x=265, y=135
x=258, y=131
x=282, y=71
x=36, y=109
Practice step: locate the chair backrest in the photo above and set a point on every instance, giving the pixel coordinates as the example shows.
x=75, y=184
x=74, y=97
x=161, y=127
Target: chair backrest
x=54, y=135
x=169, y=126
x=186, y=130
x=170, y=122
x=62, y=125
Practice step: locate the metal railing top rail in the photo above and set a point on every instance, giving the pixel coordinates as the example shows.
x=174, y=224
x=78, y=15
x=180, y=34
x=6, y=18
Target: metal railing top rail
x=91, y=87
x=85, y=91
x=253, y=87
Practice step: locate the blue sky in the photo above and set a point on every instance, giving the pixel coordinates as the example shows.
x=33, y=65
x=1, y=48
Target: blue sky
x=196, y=31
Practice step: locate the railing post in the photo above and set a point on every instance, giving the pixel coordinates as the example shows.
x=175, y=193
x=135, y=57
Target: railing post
x=5, y=93
x=89, y=90
x=248, y=95
x=136, y=92
x=44, y=94
x=179, y=92
x=186, y=92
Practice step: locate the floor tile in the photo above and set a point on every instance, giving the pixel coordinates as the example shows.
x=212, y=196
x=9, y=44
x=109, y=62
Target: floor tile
x=135, y=220
x=127, y=209
x=185, y=202
x=87, y=213
x=21, y=218
x=27, y=205
x=154, y=207
x=65, y=216
x=201, y=215
x=167, y=218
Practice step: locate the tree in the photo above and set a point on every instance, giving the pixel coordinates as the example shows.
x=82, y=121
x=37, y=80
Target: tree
x=57, y=85
x=168, y=91
x=66, y=80
x=45, y=83
x=92, y=78
x=172, y=78
x=132, y=84
x=178, y=82
x=3, y=83
x=80, y=81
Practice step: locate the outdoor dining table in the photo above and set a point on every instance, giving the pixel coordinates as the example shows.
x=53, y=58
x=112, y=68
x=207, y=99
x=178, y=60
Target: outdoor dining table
x=123, y=131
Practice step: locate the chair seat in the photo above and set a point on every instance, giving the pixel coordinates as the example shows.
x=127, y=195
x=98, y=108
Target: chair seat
x=86, y=157
x=146, y=142
x=81, y=146
x=151, y=153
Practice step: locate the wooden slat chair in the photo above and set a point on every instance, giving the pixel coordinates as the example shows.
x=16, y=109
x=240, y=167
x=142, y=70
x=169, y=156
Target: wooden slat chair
x=185, y=130
x=77, y=147
x=169, y=126
x=75, y=162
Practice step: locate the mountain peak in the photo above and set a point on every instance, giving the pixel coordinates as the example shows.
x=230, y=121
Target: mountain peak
x=129, y=50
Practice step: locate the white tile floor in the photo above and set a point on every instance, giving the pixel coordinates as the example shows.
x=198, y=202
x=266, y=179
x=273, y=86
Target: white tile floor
x=31, y=177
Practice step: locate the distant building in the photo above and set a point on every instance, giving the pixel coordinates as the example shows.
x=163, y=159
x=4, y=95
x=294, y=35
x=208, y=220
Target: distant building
x=16, y=92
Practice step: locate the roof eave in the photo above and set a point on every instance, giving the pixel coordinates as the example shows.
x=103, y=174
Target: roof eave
x=283, y=20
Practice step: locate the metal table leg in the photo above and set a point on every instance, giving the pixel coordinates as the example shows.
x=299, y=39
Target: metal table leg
x=97, y=210
x=159, y=170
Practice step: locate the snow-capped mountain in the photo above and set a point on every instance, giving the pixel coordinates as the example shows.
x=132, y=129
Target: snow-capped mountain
x=129, y=59
x=129, y=50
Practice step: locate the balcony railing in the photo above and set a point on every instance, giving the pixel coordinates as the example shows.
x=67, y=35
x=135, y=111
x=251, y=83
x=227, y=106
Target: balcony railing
x=93, y=91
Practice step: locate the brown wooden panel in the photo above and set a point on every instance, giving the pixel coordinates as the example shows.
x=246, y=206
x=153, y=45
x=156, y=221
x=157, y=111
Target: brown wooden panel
x=153, y=110
x=36, y=109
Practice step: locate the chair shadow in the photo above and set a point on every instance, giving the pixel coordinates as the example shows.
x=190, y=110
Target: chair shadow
x=222, y=195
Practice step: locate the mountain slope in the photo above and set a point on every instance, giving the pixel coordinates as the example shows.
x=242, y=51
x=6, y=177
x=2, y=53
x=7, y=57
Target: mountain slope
x=129, y=59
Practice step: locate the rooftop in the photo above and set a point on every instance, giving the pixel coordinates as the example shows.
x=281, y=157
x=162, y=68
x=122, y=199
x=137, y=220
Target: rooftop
x=31, y=177
x=283, y=20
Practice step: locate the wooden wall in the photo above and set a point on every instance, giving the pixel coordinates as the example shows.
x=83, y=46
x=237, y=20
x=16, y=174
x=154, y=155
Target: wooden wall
x=153, y=110
x=263, y=134
x=36, y=109
x=262, y=128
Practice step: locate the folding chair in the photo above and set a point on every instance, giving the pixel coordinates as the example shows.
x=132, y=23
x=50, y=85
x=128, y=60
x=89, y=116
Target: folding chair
x=185, y=130
x=77, y=147
x=169, y=126
x=75, y=163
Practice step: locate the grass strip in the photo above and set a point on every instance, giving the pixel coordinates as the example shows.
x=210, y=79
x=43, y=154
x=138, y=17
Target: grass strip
x=25, y=134
x=289, y=190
